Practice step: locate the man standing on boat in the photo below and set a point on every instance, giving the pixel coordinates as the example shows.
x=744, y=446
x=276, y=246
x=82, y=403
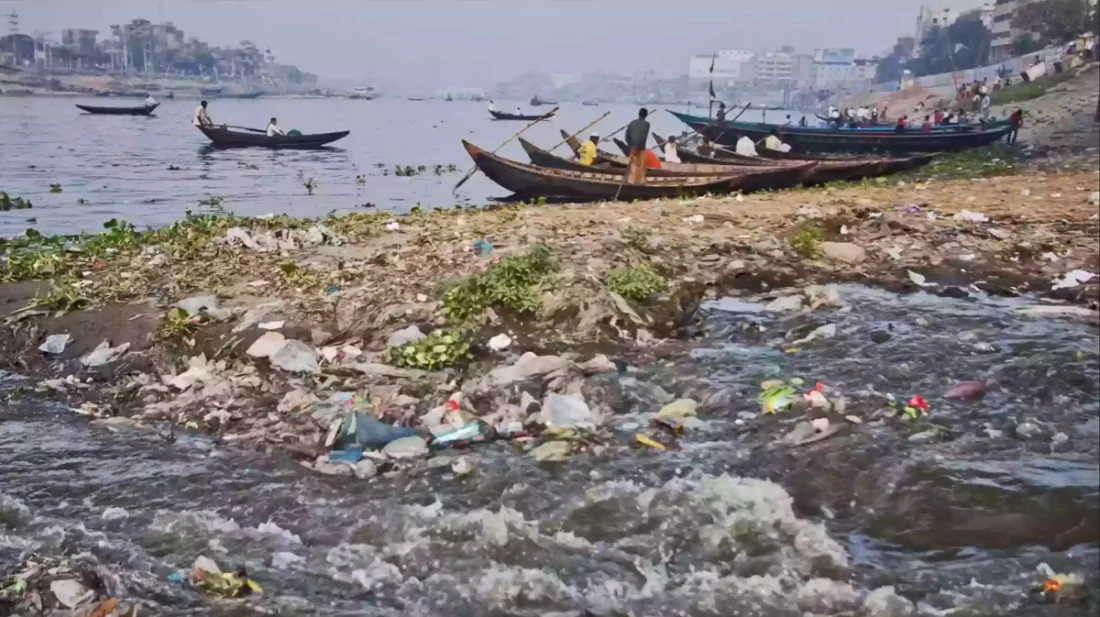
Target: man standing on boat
x=637, y=134
x=273, y=129
x=587, y=151
x=201, y=117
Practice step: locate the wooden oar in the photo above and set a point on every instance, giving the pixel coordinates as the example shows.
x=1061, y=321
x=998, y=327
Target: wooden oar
x=473, y=170
x=586, y=127
x=245, y=128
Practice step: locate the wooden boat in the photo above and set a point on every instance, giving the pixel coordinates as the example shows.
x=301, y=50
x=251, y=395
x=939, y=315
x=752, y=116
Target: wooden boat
x=143, y=110
x=500, y=115
x=212, y=91
x=243, y=95
x=536, y=101
x=838, y=140
x=590, y=103
x=829, y=170
x=225, y=138
x=530, y=181
x=415, y=99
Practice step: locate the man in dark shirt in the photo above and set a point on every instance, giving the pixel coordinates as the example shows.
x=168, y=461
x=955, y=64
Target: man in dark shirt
x=721, y=116
x=637, y=134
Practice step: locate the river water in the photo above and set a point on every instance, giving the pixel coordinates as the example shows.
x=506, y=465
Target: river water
x=727, y=524
x=119, y=165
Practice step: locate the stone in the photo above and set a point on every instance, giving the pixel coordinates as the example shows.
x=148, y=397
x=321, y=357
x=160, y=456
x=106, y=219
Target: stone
x=296, y=357
x=885, y=602
x=405, y=336
x=266, y=345
x=1028, y=430
x=735, y=266
x=999, y=234
x=680, y=408
x=365, y=469
x=844, y=251
x=784, y=304
x=55, y=343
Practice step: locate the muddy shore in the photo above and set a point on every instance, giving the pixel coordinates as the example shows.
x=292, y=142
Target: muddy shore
x=344, y=286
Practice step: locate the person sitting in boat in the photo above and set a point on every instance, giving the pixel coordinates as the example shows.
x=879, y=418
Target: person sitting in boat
x=587, y=151
x=273, y=129
x=150, y=101
x=672, y=155
x=900, y=126
x=490, y=106
x=926, y=126
x=937, y=117
x=746, y=147
x=201, y=117
x=721, y=116
x=772, y=142
x=802, y=122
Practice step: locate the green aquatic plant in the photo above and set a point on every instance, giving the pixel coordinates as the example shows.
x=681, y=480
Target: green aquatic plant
x=310, y=186
x=441, y=348
x=13, y=203
x=55, y=188
x=360, y=179
x=634, y=283
x=511, y=284
x=807, y=239
x=211, y=202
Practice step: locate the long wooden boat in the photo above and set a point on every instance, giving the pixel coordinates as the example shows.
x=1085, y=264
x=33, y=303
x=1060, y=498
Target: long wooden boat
x=615, y=165
x=834, y=140
x=143, y=110
x=835, y=170
x=500, y=115
x=243, y=95
x=225, y=138
x=530, y=181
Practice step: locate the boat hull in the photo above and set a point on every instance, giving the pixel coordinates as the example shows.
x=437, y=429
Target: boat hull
x=500, y=115
x=530, y=181
x=224, y=138
x=144, y=110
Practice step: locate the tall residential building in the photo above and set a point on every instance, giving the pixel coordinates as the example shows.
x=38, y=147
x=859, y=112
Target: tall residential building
x=79, y=40
x=839, y=69
x=1004, y=31
x=730, y=66
x=930, y=17
x=774, y=69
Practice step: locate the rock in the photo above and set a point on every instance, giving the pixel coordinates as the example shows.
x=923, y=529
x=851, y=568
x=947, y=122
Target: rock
x=528, y=365
x=820, y=424
x=406, y=448
x=598, y=364
x=500, y=342
x=885, y=602
x=1058, y=439
x=784, y=304
x=880, y=336
x=296, y=357
x=966, y=389
x=735, y=266
x=272, y=325
x=405, y=336
x=844, y=251
x=1028, y=430
x=103, y=354
x=365, y=469
x=1094, y=199
x=999, y=234
x=55, y=343
x=266, y=345
x=70, y=593
x=680, y=408
x=552, y=451
x=568, y=411
x=853, y=419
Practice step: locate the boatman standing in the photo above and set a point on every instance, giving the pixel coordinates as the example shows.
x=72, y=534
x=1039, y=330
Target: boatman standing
x=587, y=151
x=637, y=134
x=273, y=129
x=201, y=117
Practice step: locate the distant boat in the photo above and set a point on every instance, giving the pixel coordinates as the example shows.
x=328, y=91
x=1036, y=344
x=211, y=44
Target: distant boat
x=448, y=98
x=502, y=115
x=212, y=91
x=363, y=92
x=536, y=101
x=590, y=103
x=413, y=98
x=245, y=95
x=144, y=110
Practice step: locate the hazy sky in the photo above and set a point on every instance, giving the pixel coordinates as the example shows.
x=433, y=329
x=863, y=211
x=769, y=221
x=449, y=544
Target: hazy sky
x=428, y=44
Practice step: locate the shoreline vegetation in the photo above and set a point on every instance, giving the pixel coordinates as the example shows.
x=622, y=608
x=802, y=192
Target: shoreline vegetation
x=239, y=326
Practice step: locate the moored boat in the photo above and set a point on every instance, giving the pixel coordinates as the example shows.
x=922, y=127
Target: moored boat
x=839, y=140
x=226, y=138
x=604, y=164
x=536, y=101
x=530, y=181
x=500, y=115
x=143, y=110
x=590, y=103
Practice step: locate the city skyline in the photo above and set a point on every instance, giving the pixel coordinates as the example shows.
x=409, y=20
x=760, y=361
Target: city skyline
x=431, y=44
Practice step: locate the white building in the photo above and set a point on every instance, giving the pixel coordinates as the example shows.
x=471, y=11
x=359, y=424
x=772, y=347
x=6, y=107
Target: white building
x=730, y=66
x=839, y=69
x=930, y=17
x=774, y=69
x=1004, y=32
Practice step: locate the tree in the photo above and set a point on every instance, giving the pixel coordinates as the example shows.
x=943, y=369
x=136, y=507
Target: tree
x=1026, y=44
x=962, y=45
x=889, y=69
x=1056, y=21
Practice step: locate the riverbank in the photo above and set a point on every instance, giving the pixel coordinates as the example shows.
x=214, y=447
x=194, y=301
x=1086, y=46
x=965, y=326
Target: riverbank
x=544, y=275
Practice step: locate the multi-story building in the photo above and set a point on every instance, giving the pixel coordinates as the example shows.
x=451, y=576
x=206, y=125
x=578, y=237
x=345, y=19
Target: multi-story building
x=773, y=69
x=79, y=40
x=839, y=69
x=730, y=67
x=1004, y=32
x=985, y=13
x=930, y=17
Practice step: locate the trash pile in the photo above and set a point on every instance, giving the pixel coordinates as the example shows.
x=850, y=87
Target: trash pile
x=62, y=588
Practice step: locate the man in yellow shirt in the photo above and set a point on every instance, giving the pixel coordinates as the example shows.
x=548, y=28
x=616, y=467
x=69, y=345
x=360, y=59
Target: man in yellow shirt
x=587, y=152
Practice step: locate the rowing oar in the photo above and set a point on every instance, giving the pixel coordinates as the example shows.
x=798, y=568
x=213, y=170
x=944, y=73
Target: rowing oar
x=586, y=127
x=473, y=170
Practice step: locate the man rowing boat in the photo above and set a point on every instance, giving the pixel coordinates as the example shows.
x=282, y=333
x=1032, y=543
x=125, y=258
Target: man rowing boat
x=201, y=117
